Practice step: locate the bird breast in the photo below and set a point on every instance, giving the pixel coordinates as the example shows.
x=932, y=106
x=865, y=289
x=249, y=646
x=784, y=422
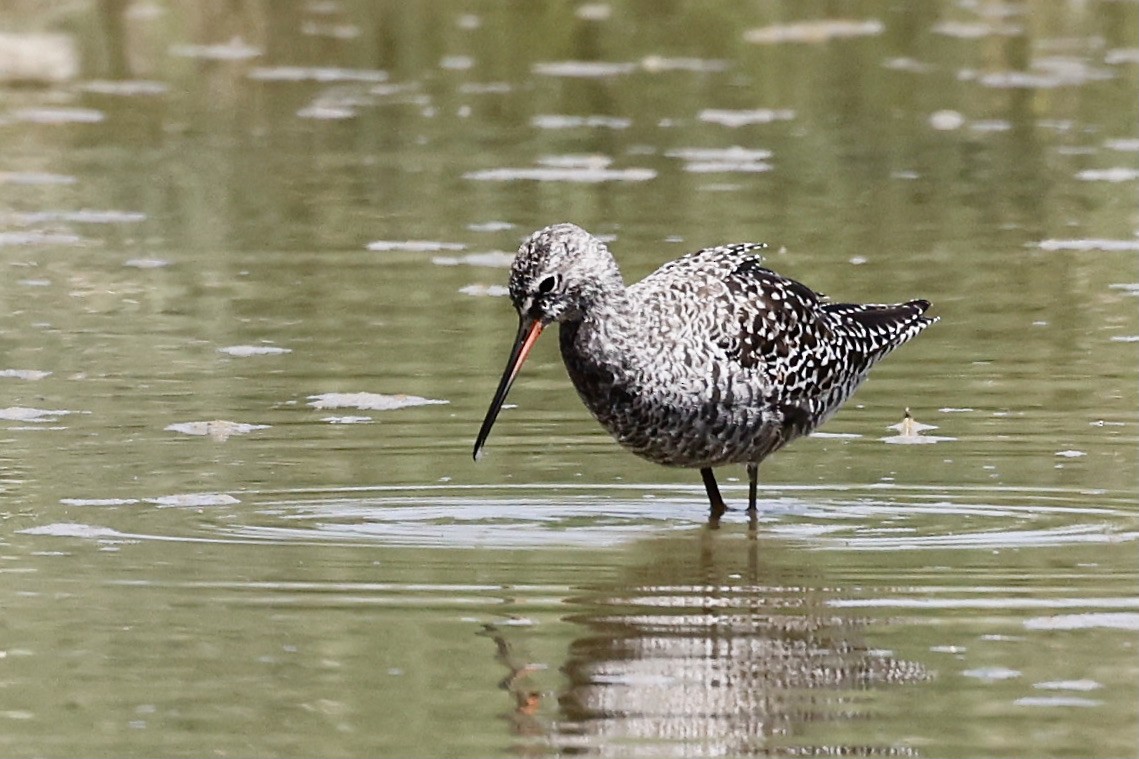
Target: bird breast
x=654, y=380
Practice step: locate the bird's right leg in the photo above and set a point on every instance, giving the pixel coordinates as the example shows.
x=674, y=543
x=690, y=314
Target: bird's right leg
x=752, y=481
x=714, y=499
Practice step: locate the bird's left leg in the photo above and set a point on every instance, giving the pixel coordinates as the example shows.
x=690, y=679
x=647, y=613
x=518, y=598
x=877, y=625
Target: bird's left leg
x=752, y=481
x=714, y=500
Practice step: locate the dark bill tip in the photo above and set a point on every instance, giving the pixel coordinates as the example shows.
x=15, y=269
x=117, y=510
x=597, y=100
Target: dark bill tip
x=528, y=331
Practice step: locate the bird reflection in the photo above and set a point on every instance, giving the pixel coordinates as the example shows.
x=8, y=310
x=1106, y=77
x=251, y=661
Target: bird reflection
x=527, y=698
x=717, y=643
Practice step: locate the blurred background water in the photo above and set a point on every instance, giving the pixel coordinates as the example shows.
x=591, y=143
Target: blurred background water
x=253, y=260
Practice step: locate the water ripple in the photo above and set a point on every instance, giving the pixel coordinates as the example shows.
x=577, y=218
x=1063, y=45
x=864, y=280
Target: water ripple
x=860, y=519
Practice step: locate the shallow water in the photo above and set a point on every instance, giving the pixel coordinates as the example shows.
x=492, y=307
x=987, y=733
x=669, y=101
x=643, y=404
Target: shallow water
x=253, y=317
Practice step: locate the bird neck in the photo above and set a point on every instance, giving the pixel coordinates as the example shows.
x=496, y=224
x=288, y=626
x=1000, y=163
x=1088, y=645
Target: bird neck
x=604, y=301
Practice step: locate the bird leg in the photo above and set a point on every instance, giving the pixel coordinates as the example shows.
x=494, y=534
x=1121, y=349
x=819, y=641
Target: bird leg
x=752, y=479
x=717, y=503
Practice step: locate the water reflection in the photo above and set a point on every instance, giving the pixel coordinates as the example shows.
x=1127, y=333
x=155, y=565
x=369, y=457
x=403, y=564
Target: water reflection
x=343, y=623
x=713, y=644
x=527, y=697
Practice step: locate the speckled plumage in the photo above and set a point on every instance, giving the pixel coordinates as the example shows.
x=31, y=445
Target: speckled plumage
x=710, y=360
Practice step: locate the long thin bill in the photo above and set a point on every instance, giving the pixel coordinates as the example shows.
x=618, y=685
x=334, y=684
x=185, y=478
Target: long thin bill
x=528, y=332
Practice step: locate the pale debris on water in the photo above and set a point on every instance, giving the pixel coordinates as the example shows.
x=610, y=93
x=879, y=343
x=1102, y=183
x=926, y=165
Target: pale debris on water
x=98, y=501
x=36, y=178
x=561, y=121
x=914, y=439
x=1080, y=685
x=485, y=88
x=814, y=32
x=735, y=159
x=234, y=50
x=495, y=259
x=1128, y=145
x=456, y=62
x=24, y=374
x=974, y=30
x=992, y=674
x=1089, y=244
x=52, y=115
x=1123, y=620
x=37, y=237
x=125, y=87
x=734, y=153
x=347, y=419
x=322, y=74
x=910, y=426
x=1121, y=55
x=910, y=432
x=656, y=64
x=1114, y=174
x=369, y=401
x=72, y=530
x=579, y=175
x=146, y=263
x=583, y=69
x=1071, y=454
x=1056, y=76
x=575, y=161
x=41, y=58
x=80, y=216
x=946, y=120
x=727, y=167
x=492, y=291
x=218, y=429
x=243, y=351
x=416, y=246
x=193, y=500
x=1064, y=702
x=743, y=118
x=490, y=226
x=991, y=125
x=326, y=112
x=909, y=65
x=593, y=11
x=24, y=414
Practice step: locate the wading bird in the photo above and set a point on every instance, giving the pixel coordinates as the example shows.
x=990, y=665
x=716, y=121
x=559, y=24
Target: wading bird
x=712, y=359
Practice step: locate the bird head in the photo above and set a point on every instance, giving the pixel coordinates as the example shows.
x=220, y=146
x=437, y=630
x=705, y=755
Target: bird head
x=559, y=274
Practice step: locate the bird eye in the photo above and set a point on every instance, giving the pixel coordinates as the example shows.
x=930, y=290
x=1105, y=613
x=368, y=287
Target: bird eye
x=548, y=284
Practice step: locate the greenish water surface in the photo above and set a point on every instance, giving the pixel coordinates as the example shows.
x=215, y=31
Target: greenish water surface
x=251, y=319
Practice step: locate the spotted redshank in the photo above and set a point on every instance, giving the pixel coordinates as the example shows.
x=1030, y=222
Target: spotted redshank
x=712, y=359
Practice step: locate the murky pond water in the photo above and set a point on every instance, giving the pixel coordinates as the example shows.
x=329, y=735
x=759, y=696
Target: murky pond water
x=251, y=321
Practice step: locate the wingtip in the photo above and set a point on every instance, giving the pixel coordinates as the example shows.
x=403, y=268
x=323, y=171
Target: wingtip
x=923, y=305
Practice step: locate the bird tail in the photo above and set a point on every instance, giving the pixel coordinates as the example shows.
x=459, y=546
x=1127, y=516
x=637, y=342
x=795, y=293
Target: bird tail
x=881, y=327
